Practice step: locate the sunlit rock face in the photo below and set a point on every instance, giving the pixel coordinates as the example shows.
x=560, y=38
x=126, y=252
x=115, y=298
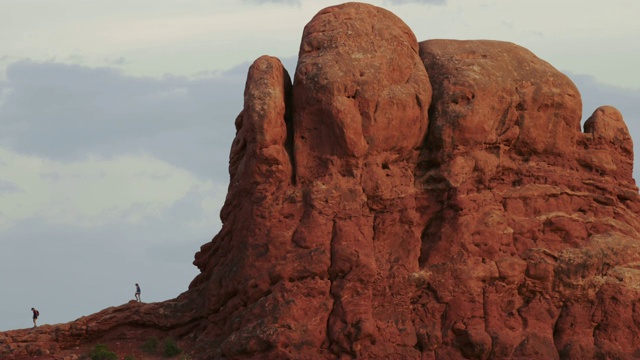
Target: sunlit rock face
x=405, y=200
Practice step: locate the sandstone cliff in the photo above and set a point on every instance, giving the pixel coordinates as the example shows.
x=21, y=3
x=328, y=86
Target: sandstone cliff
x=405, y=200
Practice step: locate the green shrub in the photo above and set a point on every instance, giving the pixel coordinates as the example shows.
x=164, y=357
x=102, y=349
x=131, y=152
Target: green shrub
x=171, y=349
x=150, y=346
x=129, y=357
x=101, y=352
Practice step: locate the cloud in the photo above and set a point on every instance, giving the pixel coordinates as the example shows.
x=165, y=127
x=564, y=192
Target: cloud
x=421, y=2
x=69, y=112
x=286, y=2
x=96, y=191
x=116, y=62
x=8, y=187
x=385, y=2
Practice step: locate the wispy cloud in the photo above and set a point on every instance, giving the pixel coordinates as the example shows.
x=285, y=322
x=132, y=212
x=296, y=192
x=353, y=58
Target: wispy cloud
x=8, y=187
x=421, y=2
x=287, y=2
x=68, y=112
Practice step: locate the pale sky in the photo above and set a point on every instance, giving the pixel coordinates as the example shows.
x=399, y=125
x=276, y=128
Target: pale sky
x=116, y=119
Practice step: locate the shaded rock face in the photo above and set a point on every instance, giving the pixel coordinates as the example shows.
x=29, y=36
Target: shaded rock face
x=433, y=200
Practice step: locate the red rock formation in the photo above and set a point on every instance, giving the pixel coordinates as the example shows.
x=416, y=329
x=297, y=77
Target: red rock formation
x=431, y=200
x=531, y=211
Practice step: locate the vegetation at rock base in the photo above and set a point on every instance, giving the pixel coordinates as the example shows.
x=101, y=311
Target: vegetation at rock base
x=171, y=349
x=150, y=346
x=101, y=352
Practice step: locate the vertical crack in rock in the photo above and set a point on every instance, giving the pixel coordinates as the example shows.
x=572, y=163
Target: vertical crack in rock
x=288, y=120
x=332, y=291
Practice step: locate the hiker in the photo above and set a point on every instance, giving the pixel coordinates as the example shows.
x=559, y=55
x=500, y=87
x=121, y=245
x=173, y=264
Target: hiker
x=36, y=313
x=138, y=292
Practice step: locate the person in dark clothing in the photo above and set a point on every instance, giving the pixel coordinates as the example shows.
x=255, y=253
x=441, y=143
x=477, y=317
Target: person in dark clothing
x=138, y=293
x=36, y=313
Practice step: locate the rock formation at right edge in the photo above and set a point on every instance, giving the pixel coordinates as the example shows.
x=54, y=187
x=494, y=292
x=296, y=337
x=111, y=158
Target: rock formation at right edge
x=434, y=200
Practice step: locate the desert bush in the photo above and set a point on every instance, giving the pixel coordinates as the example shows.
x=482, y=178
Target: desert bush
x=101, y=352
x=171, y=349
x=150, y=346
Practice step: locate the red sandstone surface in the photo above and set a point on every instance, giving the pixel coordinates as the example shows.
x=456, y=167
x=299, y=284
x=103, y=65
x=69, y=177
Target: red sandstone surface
x=403, y=200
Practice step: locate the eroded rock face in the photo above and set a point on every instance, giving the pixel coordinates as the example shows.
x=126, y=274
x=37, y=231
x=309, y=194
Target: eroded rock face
x=509, y=265
x=358, y=76
x=433, y=200
x=495, y=93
